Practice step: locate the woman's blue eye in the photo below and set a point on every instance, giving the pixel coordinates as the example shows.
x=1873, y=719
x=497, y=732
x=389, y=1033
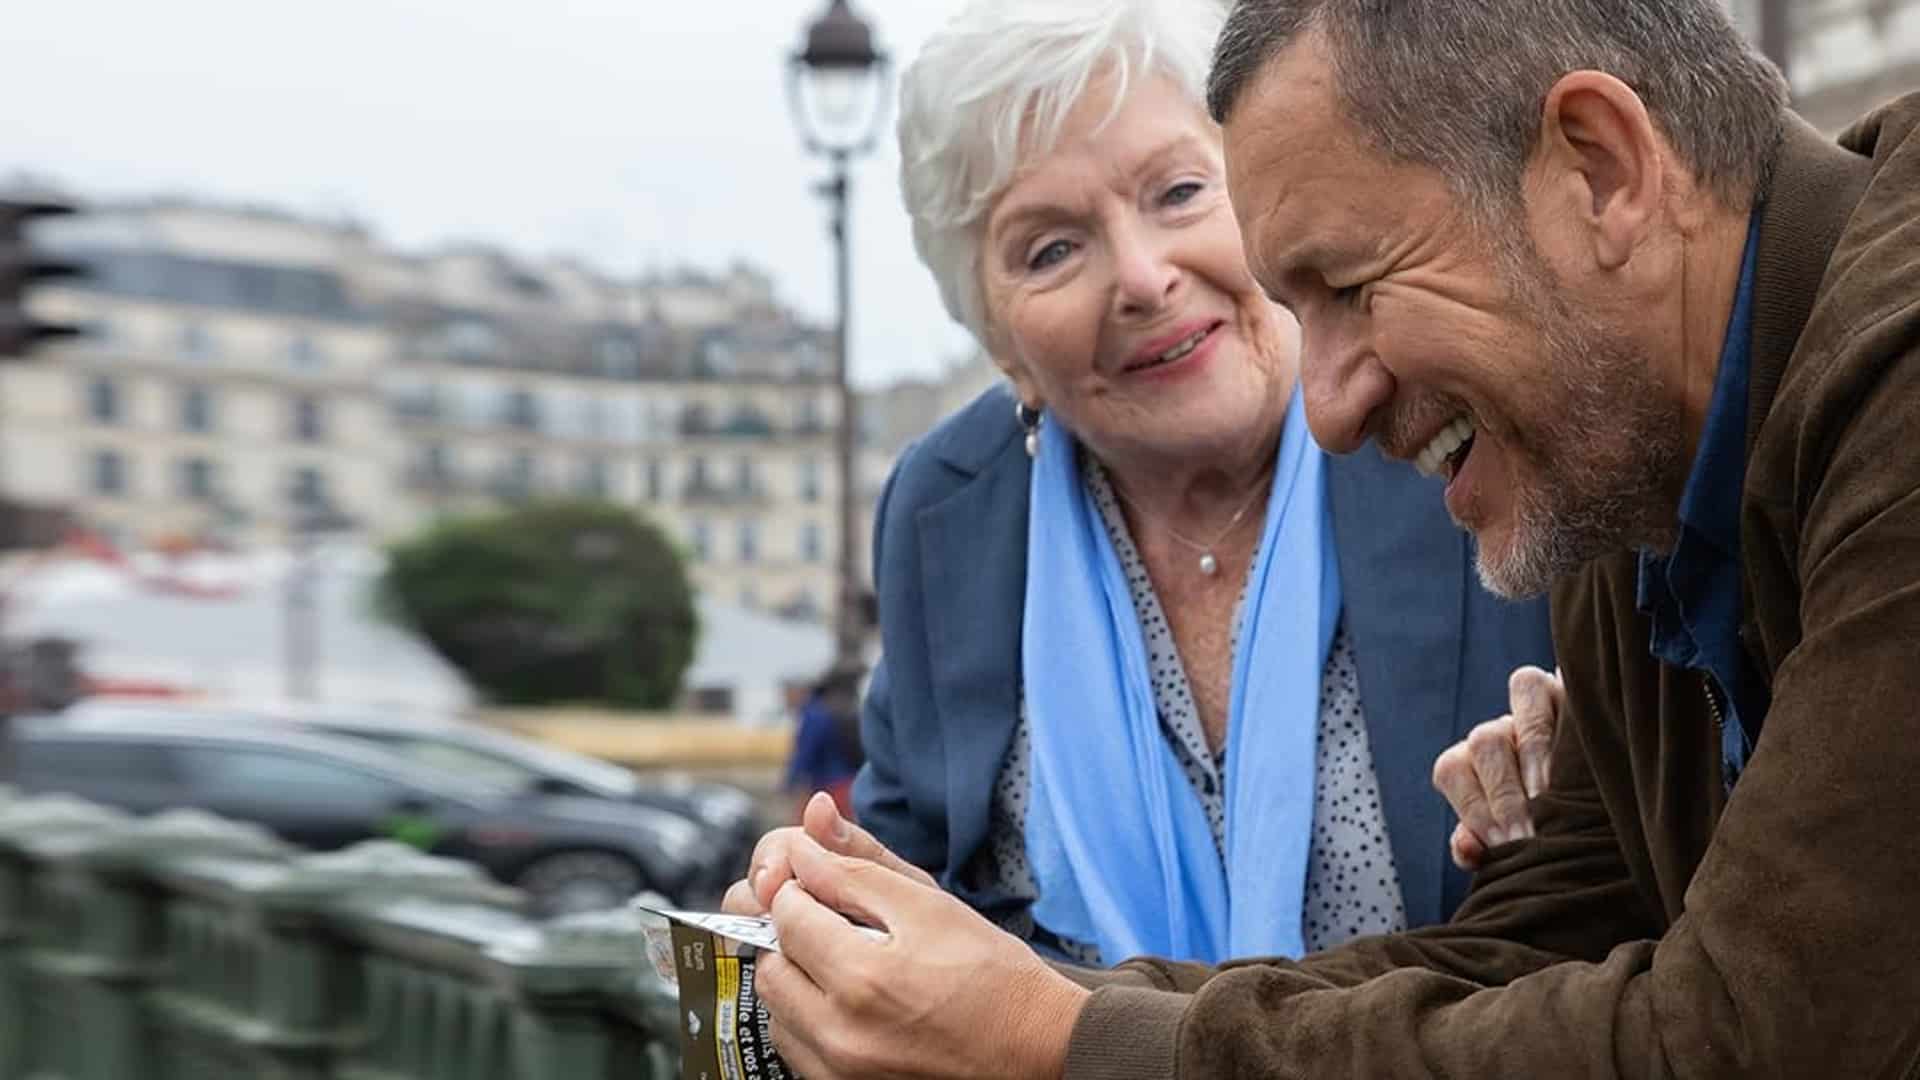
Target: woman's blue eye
x=1181, y=193
x=1047, y=256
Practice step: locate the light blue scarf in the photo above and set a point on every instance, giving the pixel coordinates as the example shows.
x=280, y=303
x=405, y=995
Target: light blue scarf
x=1117, y=837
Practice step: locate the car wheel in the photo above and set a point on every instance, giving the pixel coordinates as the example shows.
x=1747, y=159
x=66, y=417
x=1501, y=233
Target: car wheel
x=580, y=881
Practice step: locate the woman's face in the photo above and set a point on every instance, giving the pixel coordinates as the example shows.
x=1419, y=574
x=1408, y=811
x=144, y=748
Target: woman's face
x=1117, y=293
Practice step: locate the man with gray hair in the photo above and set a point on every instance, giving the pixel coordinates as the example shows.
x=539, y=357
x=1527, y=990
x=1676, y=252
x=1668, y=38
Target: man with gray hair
x=1662, y=343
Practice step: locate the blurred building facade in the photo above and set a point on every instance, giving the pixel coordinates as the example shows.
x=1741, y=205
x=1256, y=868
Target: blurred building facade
x=226, y=381
x=242, y=370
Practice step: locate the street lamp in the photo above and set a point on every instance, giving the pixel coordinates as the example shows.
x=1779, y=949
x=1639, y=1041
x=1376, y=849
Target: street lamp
x=837, y=88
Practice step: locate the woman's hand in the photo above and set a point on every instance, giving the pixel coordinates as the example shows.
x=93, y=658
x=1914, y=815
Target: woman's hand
x=942, y=994
x=1490, y=775
x=771, y=866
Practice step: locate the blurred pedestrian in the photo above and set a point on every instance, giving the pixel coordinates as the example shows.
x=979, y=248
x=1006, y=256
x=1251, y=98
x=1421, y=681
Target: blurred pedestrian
x=826, y=742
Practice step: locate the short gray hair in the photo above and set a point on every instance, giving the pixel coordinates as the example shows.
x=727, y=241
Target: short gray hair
x=991, y=91
x=1458, y=85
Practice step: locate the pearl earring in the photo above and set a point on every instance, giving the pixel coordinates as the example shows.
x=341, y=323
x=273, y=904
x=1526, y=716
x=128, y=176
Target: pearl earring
x=1029, y=418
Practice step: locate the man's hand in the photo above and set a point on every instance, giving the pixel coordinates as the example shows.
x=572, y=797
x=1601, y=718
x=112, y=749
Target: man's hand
x=944, y=994
x=1490, y=775
x=771, y=867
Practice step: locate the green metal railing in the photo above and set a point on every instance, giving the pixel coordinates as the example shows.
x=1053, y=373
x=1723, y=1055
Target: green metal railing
x=184, y=947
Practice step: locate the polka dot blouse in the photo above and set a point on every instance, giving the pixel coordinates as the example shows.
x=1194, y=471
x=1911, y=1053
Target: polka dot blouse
x=1352, y=888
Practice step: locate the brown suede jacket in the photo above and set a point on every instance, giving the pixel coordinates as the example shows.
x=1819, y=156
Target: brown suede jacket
x=1655, y=928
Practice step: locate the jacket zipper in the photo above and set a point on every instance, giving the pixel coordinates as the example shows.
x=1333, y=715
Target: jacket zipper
x=1713, y=702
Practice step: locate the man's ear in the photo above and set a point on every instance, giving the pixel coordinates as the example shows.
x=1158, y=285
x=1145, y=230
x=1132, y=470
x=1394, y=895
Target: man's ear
x=1603, y=161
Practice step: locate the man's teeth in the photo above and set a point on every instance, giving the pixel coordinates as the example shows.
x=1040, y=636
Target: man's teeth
x=1432, y=461
x=1183, y=348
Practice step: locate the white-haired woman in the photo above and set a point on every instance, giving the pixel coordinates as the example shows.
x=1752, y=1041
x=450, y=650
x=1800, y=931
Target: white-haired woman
x=1159, y=677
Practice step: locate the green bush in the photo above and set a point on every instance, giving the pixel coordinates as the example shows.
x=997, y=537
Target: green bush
x=561, y=601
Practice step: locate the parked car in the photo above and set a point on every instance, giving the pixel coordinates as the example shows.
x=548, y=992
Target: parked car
x=727, y=813
x=727, y=816
x=568, y=853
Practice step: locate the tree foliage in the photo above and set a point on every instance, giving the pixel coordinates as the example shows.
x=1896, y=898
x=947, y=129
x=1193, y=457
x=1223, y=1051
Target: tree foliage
x=560, y=601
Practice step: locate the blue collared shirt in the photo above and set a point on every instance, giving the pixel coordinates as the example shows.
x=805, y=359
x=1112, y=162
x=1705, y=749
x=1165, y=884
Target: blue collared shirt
x=1694, y=594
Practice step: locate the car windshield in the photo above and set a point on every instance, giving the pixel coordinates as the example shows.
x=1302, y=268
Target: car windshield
x=507, y=761
x=466, y=762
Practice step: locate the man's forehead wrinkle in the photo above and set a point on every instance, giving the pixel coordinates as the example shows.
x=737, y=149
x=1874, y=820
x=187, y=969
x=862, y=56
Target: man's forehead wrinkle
x=1281, y=244
x=1287, y=231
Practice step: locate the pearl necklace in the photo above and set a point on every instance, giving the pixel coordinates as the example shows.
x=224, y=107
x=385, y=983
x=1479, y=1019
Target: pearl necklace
x=1209, y=565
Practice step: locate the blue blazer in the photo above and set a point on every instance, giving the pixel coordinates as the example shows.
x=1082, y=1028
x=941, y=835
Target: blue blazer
x=950, y=555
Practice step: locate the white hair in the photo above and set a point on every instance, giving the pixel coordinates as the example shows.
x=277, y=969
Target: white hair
x=992, y=90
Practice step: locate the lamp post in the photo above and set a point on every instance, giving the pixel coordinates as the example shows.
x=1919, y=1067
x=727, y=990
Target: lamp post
x=837, y=88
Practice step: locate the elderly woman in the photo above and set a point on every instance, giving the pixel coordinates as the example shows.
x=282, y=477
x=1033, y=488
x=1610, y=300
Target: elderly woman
x=1159, y=676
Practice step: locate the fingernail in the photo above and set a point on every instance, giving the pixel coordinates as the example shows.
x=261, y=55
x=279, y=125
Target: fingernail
x=840, y=830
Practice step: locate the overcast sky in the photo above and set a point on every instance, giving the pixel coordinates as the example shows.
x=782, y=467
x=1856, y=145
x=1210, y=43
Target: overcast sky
x=632, y=133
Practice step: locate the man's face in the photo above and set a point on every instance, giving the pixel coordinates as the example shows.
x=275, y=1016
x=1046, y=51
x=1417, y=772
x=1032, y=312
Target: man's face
x=1483, y=357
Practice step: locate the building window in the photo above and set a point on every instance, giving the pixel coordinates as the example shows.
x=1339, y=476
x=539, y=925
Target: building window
x=655, y=419
x=747, y=420
x=109, y=473
x=809, y=480
x=196, y=343
x=807, y=421
x=617, y=357
x=521, y=475
x=103, y=401
x=521, y=411
x=593, y=418
x=305, y=355
x=475, y=404
x=810, y=542
x=470, y=341
x=432, y=468
x=309, y=487
x=196, y=478
x=413, y=398
x=594, y=479
x=749, y=537
x=656, y=480
x=697, y=474
x=196, y=409
x=743, y=480
x=309, y=419
x=700, y=539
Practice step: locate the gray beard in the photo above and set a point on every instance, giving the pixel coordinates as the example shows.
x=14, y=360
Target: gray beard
x=1603, y=469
